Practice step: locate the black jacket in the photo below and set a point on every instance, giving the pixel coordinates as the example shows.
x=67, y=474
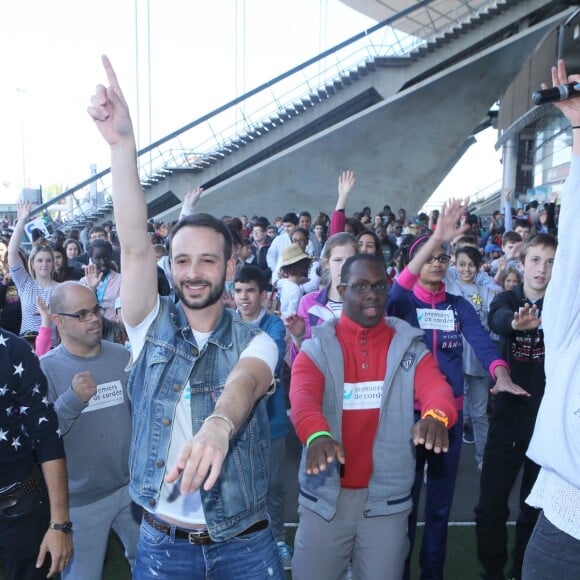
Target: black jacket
x=524, y=351
x=28, y=422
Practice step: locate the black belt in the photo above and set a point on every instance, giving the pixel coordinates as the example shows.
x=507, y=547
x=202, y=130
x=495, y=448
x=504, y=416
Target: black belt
x=12, y=494
x=199, y=537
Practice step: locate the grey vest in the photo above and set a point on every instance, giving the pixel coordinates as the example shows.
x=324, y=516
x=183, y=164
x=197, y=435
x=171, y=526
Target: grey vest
x=393, y=473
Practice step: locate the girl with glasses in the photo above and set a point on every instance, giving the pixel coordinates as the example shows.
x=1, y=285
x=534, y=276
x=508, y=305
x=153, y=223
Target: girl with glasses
x=419, y=296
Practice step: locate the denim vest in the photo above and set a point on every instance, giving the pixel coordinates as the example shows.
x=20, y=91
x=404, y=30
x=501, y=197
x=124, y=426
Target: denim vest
x=169, y=359
x=393, y=473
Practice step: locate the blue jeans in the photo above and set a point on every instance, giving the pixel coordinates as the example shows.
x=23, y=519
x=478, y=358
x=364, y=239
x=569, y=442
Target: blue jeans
x=551, y=553
x=164, y=557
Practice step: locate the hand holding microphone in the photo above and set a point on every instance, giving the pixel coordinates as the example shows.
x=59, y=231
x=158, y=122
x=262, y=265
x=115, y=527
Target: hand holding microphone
x=557, y=93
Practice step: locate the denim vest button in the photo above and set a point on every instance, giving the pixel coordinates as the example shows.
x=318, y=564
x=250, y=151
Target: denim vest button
x=176, y=387
x=366, y=513
x=152, y=502
x=160, y=463
x=166, y=422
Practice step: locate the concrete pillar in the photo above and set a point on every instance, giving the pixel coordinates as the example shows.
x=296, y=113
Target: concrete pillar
x=510, y=163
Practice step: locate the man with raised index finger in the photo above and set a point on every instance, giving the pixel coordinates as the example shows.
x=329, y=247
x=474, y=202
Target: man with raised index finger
x=199, y=377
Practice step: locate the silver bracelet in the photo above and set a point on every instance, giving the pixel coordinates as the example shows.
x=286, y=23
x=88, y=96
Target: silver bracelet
x=223, y=418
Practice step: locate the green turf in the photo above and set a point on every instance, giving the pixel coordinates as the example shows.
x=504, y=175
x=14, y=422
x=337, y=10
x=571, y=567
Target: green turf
x=461, y=563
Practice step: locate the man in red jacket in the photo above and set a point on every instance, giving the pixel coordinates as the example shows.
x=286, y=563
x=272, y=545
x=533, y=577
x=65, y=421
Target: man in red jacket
x=353, y=391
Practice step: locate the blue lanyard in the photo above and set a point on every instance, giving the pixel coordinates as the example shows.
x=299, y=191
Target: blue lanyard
x=101, y=288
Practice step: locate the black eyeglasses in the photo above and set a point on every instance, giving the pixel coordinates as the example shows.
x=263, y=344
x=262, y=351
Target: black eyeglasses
x=442, y=259
x=364, y=287
x=83, y=315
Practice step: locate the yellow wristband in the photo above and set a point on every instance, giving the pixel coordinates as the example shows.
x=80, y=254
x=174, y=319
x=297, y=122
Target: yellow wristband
x=437, y=415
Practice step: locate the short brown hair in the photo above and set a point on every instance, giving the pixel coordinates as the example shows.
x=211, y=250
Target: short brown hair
x=547, y=240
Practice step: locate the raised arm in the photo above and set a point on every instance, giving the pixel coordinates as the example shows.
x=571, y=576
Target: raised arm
x=561, y=303
x=23, y=209
x=446, y=230
x=346, y=181
x=110, y=113
x=189, y=202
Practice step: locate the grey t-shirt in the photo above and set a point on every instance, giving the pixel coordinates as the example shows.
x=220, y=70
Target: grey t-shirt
x=96, y=435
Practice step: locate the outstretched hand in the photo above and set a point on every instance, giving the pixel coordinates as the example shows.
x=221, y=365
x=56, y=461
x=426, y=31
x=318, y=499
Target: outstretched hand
x=432, y=434
x=109, y=109
x=92, y=276
x=447, y=228
x=192, y=197
x=346, y=182
x=526, y=318
x=23, y=209
x=201, y=458
x=295, y=325
x=322, y=452
x=44, y=311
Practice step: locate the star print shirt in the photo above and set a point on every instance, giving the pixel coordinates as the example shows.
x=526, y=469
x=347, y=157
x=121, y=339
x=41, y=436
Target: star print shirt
x=28, y=423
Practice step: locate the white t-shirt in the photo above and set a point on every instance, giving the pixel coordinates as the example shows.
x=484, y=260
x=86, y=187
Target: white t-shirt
x=290, y=295
x=172, y=503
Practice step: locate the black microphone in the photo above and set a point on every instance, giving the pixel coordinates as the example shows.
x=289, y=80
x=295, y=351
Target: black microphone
x=559, y=93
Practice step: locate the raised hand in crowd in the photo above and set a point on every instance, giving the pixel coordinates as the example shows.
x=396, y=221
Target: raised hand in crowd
x=190, y=201
x=109, y=109
x=23, y=209
x=346, y=181
x=569, y=107
x=93, y=276
x=44, y=311
x=192, y=197
x=447, y=228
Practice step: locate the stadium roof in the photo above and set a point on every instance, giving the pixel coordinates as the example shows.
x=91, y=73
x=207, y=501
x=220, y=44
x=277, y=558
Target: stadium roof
x=432, y=18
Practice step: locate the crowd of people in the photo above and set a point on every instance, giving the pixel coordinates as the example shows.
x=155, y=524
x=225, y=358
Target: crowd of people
x=171, y=358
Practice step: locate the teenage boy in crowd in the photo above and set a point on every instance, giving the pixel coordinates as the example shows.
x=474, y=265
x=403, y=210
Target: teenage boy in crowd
x=250, y=292
x=515, y=316
x=199, y=453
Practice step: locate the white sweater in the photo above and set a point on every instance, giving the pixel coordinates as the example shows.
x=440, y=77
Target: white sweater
x=555, y=444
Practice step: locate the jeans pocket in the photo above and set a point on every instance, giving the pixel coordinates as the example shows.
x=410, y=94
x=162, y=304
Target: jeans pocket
x=151, y=536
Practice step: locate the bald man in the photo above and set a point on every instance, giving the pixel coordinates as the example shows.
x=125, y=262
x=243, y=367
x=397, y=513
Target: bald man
x=88, y=384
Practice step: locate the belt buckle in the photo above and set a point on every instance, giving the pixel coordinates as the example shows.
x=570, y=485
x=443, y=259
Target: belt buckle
x=198, y=537
x=8, y=501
